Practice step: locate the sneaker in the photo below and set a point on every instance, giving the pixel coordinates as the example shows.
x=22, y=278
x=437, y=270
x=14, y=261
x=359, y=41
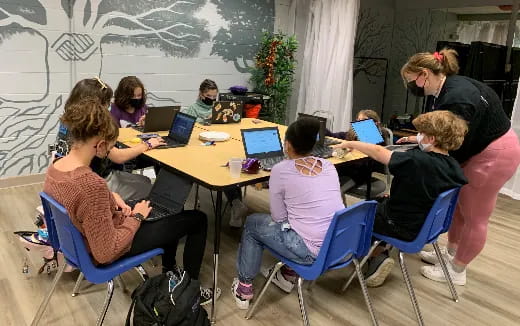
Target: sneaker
x=206, y=295
x=242, y=296
x=279, y=280
x=435, y=273
x=238, y=212
x=378, y=269
x=430, y=257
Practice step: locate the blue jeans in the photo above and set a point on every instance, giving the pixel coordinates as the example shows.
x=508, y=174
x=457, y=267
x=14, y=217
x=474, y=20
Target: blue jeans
x=260, y=231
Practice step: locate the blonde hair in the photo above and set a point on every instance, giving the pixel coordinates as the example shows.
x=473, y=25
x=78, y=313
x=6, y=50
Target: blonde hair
x=444, y=62
x=448, y=129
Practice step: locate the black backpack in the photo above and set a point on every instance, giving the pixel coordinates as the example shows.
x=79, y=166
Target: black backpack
x=168, y=300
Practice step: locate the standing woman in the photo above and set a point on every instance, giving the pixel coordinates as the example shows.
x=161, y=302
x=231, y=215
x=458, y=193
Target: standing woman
x=129, y=105
x=489, y=155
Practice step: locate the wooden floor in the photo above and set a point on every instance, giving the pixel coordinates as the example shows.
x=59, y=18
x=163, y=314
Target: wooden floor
x=491, y=297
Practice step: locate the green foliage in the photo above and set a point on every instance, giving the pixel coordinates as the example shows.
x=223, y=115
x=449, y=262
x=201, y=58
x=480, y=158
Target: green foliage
x=282, y=69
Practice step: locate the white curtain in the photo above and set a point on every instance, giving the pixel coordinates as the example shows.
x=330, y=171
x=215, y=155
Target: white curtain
x=512, y=187
x=486, y=31
x=326, y=80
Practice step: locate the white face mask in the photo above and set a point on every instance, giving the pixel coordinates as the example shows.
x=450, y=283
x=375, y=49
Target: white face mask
x=423, y=147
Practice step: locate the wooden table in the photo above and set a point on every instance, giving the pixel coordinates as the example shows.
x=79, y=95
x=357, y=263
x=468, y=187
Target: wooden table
x=205, y=166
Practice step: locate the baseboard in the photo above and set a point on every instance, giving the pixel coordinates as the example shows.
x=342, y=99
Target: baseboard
x=22, y=180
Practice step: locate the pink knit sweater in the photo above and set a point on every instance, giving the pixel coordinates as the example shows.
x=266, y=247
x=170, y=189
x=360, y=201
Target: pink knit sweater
x=93, y=211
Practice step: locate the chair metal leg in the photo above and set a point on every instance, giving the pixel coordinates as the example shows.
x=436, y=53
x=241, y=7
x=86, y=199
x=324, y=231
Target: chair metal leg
x=409, y=286
x=142, y=272
x=302, y=304
x=47, y=298
x=251, y=310
x=121, y=283
x=446, y=273
x=364, y=289
x=75, y=291
x=363, y=261
x=110, y=292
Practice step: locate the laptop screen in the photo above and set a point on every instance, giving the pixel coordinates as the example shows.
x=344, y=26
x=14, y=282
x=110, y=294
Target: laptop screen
x=262, y=142
x=367, y=131
x=182, y=126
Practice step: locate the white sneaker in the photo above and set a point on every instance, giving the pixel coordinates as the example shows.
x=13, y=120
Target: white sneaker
x=279, y=280
x=431, y=258
x=238, y=212
x=242, y=304
x=435, y=273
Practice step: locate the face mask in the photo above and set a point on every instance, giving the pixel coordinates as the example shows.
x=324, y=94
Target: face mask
x=423, y=147
x=208, y=101
x=136, y=103
x=414, y=89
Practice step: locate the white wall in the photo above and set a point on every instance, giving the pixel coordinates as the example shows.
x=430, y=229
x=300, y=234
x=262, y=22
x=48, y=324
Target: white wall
x=414, y=4
x=43, y=52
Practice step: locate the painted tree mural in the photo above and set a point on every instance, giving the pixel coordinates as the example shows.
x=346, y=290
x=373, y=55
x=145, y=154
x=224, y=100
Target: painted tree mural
x=236, y=43
x=168, y=25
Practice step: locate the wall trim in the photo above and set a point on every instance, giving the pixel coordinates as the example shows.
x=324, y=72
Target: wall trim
x=21, y=180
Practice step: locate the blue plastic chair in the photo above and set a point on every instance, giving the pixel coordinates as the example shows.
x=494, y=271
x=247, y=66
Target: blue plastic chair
x=348, y=238
x=65, y=235
x=437, y=222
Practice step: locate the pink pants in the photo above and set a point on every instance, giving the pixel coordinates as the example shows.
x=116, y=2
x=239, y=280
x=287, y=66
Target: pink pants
x=487, y=172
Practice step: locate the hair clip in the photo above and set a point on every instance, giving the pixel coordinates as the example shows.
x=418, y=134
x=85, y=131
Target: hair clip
x=103, y=85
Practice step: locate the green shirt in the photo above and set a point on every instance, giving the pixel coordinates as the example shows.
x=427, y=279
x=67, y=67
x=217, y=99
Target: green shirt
x=199, y=110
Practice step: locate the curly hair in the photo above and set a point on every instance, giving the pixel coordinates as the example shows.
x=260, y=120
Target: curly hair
x=90, y=87
x=448, y=129
x=125, y=91
x=88, y=118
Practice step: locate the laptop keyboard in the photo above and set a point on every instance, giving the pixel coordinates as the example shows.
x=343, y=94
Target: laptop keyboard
x=329, y=141
x=268, y=163
x=322, y=151
x=158, y=211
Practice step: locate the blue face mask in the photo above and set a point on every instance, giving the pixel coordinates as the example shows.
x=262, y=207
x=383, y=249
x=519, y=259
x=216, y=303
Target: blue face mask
x=423, y=147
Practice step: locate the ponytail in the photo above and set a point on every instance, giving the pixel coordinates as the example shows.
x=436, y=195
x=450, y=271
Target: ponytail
x=444, y=62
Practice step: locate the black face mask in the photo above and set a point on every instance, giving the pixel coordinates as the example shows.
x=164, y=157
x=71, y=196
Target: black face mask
x=207, y=101
x=136, y=103
x=414, y=89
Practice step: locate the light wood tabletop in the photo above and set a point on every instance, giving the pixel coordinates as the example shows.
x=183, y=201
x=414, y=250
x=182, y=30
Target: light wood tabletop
x=206, y=163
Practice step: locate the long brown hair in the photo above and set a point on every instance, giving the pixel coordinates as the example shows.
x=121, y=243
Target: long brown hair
x=444, y=62
x=88, y=118
x=90, y=87
x=125, y=91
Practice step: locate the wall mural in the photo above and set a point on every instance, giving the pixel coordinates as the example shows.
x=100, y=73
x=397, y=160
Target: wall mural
x=29, y=122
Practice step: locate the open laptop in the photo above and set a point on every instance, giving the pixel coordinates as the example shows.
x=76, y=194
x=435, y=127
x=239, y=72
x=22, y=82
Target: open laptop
x=320, y=149
x=168, y=195
x=227, y=112
x=158, y=118
x=263, y=144
x=326, y=141
x=180, y=131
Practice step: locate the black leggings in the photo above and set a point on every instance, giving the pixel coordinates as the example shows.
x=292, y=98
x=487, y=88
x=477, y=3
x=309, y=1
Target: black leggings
x=166, y=233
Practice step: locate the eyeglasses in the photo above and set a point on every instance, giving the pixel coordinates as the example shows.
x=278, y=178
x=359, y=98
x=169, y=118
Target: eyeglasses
x=103, y=85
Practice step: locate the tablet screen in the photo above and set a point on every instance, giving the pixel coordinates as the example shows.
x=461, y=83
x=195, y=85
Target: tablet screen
x=367, y=131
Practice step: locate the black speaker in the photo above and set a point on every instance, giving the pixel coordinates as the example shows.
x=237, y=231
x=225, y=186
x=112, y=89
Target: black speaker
x=462, y=49
x=487, y=62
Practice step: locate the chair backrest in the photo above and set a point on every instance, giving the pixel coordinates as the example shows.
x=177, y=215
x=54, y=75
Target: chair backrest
x=49, y=223
x=439, y=218
x=71, y=242
x=349, y=236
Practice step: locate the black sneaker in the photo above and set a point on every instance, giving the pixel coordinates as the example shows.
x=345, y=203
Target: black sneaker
x=378, y=269
x=206, y=295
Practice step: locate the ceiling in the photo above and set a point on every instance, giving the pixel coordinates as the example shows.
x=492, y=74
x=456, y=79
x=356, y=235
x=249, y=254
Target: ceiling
x=478, y=10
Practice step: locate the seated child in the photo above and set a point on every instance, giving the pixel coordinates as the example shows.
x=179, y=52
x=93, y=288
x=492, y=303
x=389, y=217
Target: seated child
x=420, y=176
x=304, y=195
x=129, y=105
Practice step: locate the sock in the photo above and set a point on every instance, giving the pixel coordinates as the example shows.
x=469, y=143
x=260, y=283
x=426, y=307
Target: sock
x=245, y=290
x=452, y=251
x=457, y=268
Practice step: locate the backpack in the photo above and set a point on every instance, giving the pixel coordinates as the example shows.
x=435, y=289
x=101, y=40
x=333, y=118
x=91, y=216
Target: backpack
x=168, y=300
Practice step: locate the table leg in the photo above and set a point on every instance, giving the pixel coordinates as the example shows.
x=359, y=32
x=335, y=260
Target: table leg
x=368, y=195
x=216, y=249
